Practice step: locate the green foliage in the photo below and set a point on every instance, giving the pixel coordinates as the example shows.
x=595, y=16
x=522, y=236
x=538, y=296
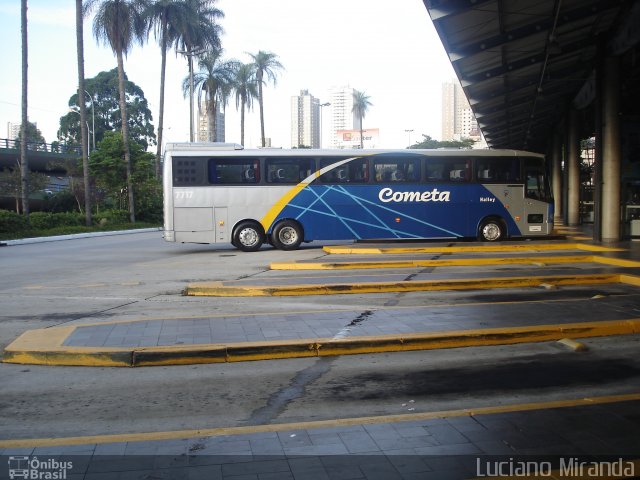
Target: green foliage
x=46, y=220
x=111, y=216
x=149, y=203
x=42, y=220
x=11, y=184
x=213, y=85
x=106, y=97
x=12, y=222
x=63, y=201
x=429, y=143
x=108, y=168
x=33, y=134
x=13, y=225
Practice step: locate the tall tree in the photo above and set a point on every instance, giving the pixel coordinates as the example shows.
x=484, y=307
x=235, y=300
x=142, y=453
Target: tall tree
x=106, y=103
x=118, y=23
x=11, y=183
x=24, y=161
x=429, y=143
x=198, y=33
x=83, y=111
x=34, y=136
x=166, y=18
x=246, y=89
x=266, y=66
x=212, y=85
x=361, y=104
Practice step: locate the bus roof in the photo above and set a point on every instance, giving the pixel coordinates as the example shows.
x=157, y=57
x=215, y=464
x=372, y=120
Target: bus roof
x=236, y=149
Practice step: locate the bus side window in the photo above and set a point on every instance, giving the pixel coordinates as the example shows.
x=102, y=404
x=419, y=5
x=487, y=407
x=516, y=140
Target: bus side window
x=458, y=170
x=434, y=169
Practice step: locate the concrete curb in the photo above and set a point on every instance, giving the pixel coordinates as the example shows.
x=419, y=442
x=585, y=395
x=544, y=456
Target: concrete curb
x=461, y=262
x=227, y=289
x=57, y=238
x=45, y=346
x=532, y=247
x=323, y=424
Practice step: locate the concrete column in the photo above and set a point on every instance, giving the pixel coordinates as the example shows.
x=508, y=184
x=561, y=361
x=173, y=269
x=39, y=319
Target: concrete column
x=611, y=151
x=573, y=169
x=556, y=172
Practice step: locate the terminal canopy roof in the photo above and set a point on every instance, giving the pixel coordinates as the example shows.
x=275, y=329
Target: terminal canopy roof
x=522, y=63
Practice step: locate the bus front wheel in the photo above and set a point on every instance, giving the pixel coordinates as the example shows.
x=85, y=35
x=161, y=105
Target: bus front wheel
x=287, y=235
x=248, y=236
x=491, y=230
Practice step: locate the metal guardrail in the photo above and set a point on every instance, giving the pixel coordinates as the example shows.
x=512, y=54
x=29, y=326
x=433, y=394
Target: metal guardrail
x=55, y=147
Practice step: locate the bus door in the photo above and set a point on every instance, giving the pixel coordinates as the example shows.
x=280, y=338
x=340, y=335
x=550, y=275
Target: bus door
x=222, y=231
x=538, y=210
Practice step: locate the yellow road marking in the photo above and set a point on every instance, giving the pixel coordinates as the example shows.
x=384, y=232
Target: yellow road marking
x=454, y=262
x=573, y=345
x=344, y=250
x=42, y=348
x=227, y=289
x=282, y=427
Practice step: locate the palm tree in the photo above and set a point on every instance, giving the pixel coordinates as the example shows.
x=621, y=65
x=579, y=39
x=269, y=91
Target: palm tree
x=24, y=161
x=118, y=23
x=83, y=110
x=361, y=105
x=213, y=85
x=197, y=33
x=166, y=18
x=265, y=64
x=245, y=86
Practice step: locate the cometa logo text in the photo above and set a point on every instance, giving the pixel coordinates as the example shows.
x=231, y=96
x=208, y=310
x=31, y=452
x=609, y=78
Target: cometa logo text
x=387, y=195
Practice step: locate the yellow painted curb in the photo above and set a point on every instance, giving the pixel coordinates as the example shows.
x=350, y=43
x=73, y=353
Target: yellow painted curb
x=227, y=289
x=454, y=262
x=534, y=247
x=573, y=345
x=315, y=424
x=54, y=353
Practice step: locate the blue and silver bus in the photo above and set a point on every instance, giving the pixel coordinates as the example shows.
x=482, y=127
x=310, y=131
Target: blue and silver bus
x=221, y=193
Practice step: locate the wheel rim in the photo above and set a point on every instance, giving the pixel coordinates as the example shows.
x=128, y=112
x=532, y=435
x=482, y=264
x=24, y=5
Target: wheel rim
x=288, y=236
x=491, y=232
x=248, y=237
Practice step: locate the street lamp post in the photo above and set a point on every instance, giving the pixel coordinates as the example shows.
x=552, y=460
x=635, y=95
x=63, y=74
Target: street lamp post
x=409, y=132
x=93, y=121
x=326, y=104
x=75, y=109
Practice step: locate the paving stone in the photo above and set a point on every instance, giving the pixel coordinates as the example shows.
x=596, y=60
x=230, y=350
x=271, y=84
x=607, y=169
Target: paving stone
x=359, y=442
x=256, y=468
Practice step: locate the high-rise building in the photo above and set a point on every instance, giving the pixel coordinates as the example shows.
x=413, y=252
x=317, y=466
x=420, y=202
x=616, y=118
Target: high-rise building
x=458, y=120
x=305, y=120
x=203, y=124
x=13, y=130
x=342, y=116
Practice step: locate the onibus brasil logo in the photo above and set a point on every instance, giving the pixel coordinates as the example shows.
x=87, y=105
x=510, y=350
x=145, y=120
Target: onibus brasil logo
x=32, y=468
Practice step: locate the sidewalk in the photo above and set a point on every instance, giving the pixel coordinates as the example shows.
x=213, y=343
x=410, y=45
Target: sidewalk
x=57, y=238
x=598, y=295
x=440, y=445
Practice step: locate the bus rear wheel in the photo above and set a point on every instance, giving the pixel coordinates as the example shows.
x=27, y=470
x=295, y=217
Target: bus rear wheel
x=287, y=235
x=248, y=236
x=491, y=230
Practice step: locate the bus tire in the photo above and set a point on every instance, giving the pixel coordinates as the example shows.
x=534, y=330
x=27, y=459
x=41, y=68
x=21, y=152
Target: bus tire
x=248, y=236
x=491, y=230
x=287, y=235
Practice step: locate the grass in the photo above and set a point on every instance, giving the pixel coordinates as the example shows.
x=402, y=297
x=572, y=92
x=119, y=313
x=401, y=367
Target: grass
x=70, y=230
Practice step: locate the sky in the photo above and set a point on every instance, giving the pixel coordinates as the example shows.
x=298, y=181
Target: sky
x=389, y=50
